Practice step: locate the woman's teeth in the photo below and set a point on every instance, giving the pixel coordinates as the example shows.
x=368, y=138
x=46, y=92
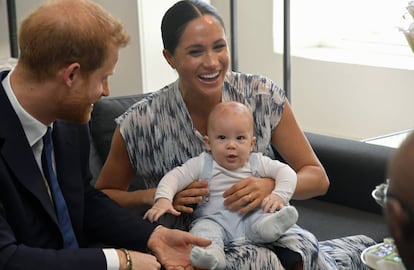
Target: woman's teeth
x=210, y=76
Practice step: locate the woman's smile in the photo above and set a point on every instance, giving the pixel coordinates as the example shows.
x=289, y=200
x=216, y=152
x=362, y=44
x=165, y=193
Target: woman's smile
x=210, y=78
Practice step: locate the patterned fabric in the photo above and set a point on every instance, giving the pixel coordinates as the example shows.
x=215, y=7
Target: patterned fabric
x=341, y=254
x=159, y=135
x=344, y=250
x=252, y=257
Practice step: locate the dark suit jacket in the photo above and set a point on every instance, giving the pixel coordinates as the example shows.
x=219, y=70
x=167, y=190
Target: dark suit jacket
x=29, y=234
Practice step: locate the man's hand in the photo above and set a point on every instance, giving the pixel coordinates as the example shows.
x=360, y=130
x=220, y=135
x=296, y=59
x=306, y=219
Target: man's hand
x=172, y=247
x=192, y=194
x=248, y=194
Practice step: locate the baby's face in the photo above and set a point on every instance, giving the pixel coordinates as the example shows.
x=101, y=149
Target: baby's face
x=231, y=140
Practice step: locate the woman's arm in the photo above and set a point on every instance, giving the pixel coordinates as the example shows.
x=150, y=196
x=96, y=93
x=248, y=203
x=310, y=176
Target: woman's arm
x=291, y=143
x=117, y=174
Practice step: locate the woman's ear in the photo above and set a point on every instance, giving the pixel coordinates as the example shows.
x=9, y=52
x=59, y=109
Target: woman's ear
x=70, y=73
x=168, y=56
x=397, y=219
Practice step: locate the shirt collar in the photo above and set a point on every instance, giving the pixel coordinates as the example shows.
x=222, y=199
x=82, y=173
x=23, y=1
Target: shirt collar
x=33, y=128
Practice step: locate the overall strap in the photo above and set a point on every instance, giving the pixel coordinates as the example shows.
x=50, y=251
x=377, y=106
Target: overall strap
x=207, y=168
x=207, y=173
x=254, y=164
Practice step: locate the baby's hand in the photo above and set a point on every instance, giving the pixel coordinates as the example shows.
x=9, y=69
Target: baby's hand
x=160, y=207
x=272, y=203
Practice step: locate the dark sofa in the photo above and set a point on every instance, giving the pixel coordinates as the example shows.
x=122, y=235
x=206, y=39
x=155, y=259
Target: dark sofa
x=354, y=169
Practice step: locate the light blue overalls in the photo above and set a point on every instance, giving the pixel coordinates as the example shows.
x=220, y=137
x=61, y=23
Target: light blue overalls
x=215, y=222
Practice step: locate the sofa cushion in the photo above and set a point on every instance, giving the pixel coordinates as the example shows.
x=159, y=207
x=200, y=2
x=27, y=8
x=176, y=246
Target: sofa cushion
x=328, y=220
x=102, y=122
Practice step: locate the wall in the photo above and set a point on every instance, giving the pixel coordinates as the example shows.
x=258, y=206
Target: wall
x=4, y=34
x=157, y=72
x=351, y=100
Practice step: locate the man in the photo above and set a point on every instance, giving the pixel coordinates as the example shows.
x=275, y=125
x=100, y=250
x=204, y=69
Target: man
x=399, y=205
x=49, y=214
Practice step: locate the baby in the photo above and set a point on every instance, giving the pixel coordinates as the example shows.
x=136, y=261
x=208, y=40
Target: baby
x=230, y=142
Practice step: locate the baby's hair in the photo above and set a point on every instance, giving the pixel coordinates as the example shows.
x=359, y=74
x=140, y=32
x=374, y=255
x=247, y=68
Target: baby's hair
x=232, y=107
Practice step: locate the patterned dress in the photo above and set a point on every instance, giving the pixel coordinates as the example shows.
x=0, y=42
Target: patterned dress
x=160, y=135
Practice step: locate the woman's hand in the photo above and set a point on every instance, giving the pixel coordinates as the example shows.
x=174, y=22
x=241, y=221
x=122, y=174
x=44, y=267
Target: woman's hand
x=192, y=194
x=248, y=194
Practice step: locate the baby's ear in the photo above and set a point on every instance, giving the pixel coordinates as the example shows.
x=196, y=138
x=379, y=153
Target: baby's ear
x=253, y=143
x=207, y=143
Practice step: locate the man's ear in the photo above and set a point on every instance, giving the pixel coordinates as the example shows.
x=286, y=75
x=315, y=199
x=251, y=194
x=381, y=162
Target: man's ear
x=169, y=58
x=397, y=219
x=207, y=143
x=70, y=73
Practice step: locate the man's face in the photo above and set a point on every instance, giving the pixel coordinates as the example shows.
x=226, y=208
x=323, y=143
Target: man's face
x=87, y=90
x=399, y=205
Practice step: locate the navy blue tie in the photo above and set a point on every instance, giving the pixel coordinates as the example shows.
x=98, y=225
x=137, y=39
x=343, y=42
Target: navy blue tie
x=65, y=224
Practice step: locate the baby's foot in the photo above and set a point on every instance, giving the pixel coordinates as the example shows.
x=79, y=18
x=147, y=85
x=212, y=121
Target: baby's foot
x=274, y=226
x=211, y=257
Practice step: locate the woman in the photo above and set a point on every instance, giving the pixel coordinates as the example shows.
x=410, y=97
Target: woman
x=167, y=128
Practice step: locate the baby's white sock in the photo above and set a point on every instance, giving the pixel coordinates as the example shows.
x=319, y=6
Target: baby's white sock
x=211, y=257
x=273, y=226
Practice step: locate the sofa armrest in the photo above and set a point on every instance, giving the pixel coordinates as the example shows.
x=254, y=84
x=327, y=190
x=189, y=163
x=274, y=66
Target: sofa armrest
x=354, y=168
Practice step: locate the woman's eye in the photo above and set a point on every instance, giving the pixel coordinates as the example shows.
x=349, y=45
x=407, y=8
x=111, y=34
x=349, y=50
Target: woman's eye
x=219, y=47
x=195, y=52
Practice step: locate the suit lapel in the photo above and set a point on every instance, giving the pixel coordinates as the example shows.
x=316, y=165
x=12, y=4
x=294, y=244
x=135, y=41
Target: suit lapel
x=17, y=154
x=68, y=166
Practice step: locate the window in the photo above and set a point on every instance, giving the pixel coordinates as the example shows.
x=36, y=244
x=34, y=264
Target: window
x=363, y=32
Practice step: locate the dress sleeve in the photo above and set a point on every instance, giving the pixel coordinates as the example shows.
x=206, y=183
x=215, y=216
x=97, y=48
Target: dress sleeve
x=275, y=103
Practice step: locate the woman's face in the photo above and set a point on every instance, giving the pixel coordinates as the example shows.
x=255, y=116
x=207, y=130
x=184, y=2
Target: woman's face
x=201, y=57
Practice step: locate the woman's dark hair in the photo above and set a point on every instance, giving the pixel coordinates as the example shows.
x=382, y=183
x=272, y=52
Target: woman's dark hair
x=178, y=16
